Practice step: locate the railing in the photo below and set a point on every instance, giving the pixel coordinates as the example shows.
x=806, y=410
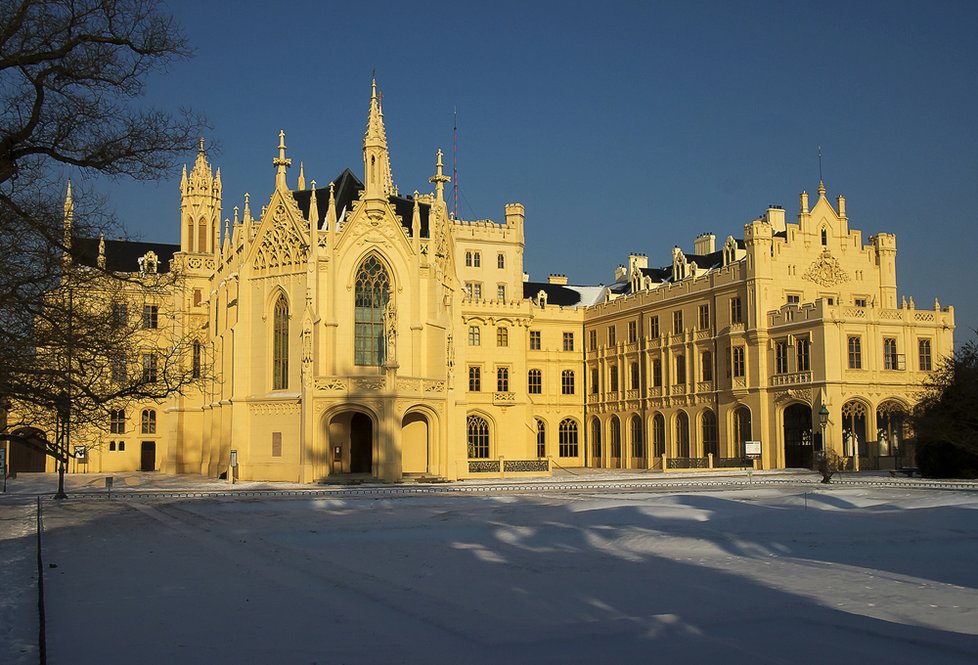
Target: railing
x=687, y=462
x=504, y=399
x=483, y=466
x=791, y=379
x=527, y=465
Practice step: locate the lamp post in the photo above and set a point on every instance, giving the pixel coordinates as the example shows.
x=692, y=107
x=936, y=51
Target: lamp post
x=823, y=419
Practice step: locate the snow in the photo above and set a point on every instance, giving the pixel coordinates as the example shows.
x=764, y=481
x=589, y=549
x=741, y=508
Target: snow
x=762, y=574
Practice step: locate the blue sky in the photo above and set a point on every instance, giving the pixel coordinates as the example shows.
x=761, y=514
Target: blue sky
x=622, y=126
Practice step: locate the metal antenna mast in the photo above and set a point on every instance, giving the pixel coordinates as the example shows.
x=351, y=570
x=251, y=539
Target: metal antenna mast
x=455, y=163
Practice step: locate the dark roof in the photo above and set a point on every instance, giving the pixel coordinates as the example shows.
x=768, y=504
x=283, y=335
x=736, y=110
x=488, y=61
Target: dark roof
x=556, y=293
x=346, y=189
x=122, y=255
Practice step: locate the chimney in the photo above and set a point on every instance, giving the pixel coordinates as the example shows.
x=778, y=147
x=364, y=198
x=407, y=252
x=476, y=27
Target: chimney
x=560, y=280
x=705, y=243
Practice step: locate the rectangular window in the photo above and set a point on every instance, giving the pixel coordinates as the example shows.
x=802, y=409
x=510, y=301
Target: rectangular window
x=567, y=382
x=657, y=373
x=632, y=331
x=794, y=298
x=592, y=339
x=148, y=422
x=195, y=361
x=568, y=341
x=614, y=378
x=476, y=259
x=654, y=327
x=502, y=379
x=120, y=315
x=500, y=261
x=704, y=317
x=151, y=315
x=680, y=369
x=923, y=355
x=706, y=362
x=633, y=370
x=859, y=302
x=739, y=364
x=736, y=313
x=502, y=336
x=890, y=359
x=475, y=336
x=198, y=297
x=118, y=368
x=534, y=340
x=149, y=368
x=534, y=382
x=804, y=354
x=594, y=380
x=612, y=339
x=501, y=292
x=781, y=358
x=474, y=290
x=855, y=353
x=475, y=379
x=276, y=444
x=117, y=421
x=677, y=322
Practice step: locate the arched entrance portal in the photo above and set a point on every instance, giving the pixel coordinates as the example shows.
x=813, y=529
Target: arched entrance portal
x=351, y=435
x=798, y=436
x=26, y=451
x=361, y=443
x=414, y=443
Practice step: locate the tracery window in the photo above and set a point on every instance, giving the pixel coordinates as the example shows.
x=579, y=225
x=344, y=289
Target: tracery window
x=477, y=436
x=148, y=422
x=534, y=382
x=541, y=436
x=567, y=438
x=373, y=287
x=280, y=344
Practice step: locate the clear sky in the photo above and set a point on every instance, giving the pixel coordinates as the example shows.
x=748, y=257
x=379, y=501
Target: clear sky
x=622, y=126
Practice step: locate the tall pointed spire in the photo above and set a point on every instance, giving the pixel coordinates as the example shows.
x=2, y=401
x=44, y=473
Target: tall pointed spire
x=69, y=220
x=302, y=178
x=313, y=209
x=376, y=158
x=281, y=163
x=331, y=210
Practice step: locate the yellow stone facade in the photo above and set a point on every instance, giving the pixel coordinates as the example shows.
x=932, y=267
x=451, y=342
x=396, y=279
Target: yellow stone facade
x=348, y=329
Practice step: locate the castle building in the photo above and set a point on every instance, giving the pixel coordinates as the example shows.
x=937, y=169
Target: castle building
x=350, y=329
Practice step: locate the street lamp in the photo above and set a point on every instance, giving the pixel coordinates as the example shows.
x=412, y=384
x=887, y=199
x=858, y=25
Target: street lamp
x=823, y=419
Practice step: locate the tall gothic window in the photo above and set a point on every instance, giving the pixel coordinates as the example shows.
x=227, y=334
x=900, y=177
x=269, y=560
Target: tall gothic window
x=477, y=435
x=280, y=345
x=372, y=295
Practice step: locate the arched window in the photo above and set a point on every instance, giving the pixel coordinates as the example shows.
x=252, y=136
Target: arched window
x=567, y=438
x=541, y=438
x=596, y=438
x=710, y=442
x=638, y=444
x=658, y=434
x=742, y=429
x=682, y=434
x=280, y=345
x=148, y=422
x=373, y=287
x=477, y=435
x=615, y=437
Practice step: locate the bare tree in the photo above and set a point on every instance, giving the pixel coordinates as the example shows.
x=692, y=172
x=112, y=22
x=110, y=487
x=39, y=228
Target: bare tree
x=70, y=74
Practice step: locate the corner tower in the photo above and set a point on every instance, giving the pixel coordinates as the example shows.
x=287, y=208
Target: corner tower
x=200, y=207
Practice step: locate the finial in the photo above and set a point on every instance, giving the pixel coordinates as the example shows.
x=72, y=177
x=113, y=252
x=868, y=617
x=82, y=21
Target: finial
x=302, y=177
x=331, y=210
x=281, y=163
x=821, y=188
x=201, y=149
x=235, y=215
x=100, y=261
x=439, y=179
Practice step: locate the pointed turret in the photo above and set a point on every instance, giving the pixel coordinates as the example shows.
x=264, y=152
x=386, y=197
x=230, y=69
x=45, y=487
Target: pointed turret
x=200, y=206
x=416, y=219
x=247, y=217
x=281, y=163
x=302, y=179
x=313, y=209
x=376, y=159
x=821, y=189
x=226, y=247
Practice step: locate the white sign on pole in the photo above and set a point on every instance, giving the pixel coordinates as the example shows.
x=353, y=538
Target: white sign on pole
x=752, y=448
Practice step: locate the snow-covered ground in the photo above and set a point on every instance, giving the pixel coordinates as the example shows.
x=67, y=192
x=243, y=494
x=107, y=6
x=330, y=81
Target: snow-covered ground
x=743, y=575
